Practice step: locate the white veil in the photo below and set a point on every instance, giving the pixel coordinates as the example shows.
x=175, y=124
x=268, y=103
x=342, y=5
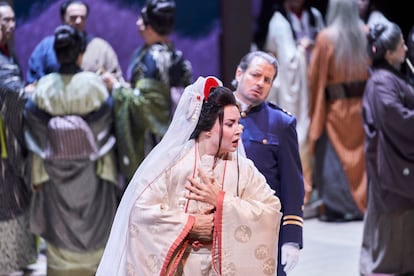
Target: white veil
x=171, y=147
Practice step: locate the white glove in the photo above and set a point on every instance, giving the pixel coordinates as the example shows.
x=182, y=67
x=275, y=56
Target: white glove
x=290, y=255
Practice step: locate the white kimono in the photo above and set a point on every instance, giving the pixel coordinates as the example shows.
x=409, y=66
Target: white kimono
x=290, y=88
x=246, y=224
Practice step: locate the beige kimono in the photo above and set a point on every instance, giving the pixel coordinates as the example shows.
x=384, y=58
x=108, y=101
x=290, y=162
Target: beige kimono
x=246, y=224
x=100, y=57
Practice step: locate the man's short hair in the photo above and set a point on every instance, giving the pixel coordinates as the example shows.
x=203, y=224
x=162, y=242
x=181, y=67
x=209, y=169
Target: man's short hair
x=66, y=4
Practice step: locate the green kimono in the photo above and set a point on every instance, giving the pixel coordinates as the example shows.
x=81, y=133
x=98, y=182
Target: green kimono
x=142, y=116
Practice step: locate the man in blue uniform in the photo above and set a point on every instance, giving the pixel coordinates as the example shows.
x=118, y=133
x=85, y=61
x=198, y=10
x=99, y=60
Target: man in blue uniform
x=99, y=55
x=270, y=140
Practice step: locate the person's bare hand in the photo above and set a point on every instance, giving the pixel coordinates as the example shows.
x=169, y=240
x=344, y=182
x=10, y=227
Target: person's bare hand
x=306, y=43
x=202, y=229
x=30, y=88
x=110, y=80
x=204, y=190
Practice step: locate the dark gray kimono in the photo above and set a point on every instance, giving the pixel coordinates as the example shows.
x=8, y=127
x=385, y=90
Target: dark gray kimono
x=388, y=114
x=68, y=129
x=17, y=244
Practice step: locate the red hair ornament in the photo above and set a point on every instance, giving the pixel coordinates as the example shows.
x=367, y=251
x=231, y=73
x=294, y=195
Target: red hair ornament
x=211, y=82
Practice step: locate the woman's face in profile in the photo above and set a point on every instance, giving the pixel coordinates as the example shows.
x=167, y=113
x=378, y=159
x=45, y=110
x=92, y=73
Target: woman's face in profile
x=140, y=25
x=397, y=57
x=231, y=130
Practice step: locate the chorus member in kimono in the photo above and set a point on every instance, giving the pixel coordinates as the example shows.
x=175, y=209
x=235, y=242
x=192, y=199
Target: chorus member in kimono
x=196, y=205
x=68, y=122
x=99, y=55
x=17, y=244
x=157, y=75
x=291, y=34
x=271, y=142
x=338, y=71
x=370, y=13
x=388, y=114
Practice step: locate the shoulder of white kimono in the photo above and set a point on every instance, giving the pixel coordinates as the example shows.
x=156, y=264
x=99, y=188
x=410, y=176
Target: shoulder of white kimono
x=278, y=20
x=246, y=165
x=244, y=162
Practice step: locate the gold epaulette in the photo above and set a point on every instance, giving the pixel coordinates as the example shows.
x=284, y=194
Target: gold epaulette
x=275, y=106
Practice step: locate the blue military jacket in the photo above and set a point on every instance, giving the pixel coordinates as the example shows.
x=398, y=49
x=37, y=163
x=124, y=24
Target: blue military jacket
x=270, y=140
x=43, y=59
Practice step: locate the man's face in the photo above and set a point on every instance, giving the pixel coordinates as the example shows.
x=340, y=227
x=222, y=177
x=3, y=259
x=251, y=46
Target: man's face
x=255, y=82
x=7, y=23
x=75, y=16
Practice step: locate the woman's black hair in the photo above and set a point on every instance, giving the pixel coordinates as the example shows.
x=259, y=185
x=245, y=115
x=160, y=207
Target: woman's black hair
x=213, y=108
x=69, y=43
x=382, y=37
x=160, y=15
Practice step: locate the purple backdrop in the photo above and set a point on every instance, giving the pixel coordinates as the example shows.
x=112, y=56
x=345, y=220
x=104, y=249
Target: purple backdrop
x=116, y=24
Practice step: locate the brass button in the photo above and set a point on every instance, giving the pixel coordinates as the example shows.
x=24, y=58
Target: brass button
x=264, y=141
x=241, y=127
x=243, y=114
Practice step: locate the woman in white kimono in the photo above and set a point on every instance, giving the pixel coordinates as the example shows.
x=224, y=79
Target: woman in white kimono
x=196, y=205
x=291, y=34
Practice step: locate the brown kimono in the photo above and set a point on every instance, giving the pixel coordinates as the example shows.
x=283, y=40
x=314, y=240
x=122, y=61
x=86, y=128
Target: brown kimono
x=335, y=110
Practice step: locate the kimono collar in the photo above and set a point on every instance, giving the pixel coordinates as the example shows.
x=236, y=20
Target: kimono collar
x=384, y=65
